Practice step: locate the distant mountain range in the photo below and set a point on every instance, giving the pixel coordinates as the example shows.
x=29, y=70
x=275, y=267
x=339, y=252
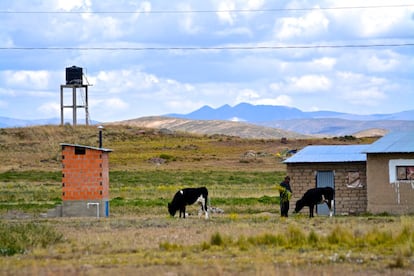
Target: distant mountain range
x=267, y=113
x=308, y=123
x=249, y=120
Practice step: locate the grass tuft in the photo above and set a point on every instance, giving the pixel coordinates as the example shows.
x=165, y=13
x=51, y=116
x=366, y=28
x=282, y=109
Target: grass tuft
x=296, y=237
x=340, y=236
x=18, y=238
x=216, y=239
x=167, y=246
x=268, y=239
x=313, y=238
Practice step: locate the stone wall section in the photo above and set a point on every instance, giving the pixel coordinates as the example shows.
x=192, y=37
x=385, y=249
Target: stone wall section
x=348, y=200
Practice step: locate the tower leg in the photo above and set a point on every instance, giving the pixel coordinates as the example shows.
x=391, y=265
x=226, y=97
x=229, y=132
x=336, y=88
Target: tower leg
x=74, y=105
x=61, y=106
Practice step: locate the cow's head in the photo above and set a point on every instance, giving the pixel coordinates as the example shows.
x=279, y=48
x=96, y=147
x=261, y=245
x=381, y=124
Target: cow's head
x=171, y=209
x=328, y=193
x=299, y=206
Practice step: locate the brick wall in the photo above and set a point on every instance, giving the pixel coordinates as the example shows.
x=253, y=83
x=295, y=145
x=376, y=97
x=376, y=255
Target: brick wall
x=85, y=173
x=347, y=200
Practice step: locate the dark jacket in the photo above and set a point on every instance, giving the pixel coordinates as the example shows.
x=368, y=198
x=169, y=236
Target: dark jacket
x=285, y=184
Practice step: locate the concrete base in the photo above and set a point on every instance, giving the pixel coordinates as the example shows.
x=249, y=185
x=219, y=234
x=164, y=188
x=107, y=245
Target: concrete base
x=81, y=208
x=56, y=212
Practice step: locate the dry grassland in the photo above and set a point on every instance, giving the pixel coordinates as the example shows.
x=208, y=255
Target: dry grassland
x=37, y=148
x=227, y=244
x=139, y=238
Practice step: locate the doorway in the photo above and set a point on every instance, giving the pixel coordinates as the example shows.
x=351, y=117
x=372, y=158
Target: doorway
x=325, y=179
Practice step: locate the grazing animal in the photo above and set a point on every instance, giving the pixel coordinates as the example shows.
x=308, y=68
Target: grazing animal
x=186, y=197
x=316, y=196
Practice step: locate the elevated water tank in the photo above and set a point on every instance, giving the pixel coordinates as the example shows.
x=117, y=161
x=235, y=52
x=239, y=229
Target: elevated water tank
x=74, y=75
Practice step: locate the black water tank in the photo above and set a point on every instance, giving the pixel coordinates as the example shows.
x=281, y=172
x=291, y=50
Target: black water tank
x=74, y=75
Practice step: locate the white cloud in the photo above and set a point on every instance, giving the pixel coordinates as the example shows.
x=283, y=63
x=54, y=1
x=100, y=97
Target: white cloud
x=352, y=79
x=188, y=25
x=365, y=97
x=254, y=97
x=311, y=24
x=72, y=5
x=324, y=62
x=128, y=83
x=235, y=31
x=309, y=83
x=225, y=6
x=108, y=108
x=224, y=15
x=115, y=103
x=52, y=109
x=275, y=86
x=187, y=21
x=26, y=79
x=377, y=64
x=183, y=104
x=119, y=81
x=362, y=90
x=372, y=22
x=247, y=95
x=279, y=100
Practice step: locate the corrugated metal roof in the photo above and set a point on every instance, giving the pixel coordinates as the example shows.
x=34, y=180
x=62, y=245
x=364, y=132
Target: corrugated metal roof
x=395, y=142
x=87, y=147
x=330, y=153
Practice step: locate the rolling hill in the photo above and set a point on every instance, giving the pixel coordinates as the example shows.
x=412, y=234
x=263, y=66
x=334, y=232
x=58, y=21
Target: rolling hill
x=210, y=127
x=260, y=121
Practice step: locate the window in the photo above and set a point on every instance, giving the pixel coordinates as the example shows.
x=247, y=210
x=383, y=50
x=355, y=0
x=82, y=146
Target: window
x=401, y=170
x=405, y=172
x=79, y=150
x=354, y=180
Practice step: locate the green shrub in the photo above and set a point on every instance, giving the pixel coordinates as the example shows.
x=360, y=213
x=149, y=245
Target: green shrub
x=313, y=238
x=169, y=246
x=268, y=239
x=216, y=239
x=167, y=157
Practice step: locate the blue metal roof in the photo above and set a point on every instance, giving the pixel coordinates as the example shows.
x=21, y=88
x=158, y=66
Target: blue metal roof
x=394, y=142
x=330, y=153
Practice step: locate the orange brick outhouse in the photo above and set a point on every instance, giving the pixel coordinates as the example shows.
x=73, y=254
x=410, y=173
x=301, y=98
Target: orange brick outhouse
x=85, y=180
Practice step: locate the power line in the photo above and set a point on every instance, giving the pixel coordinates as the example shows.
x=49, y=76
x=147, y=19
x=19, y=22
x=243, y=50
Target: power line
x=274, y=47
x=209, y=11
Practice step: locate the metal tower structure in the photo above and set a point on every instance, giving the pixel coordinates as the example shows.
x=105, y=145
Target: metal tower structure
x=74, y=82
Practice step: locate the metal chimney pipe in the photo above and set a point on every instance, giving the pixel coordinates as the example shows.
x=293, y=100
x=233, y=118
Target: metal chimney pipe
x=100, y=136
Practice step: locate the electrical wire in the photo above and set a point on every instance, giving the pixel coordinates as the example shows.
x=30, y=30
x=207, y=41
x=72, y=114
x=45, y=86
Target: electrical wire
x=274, y=47
x=210, y=11
x=271, y=47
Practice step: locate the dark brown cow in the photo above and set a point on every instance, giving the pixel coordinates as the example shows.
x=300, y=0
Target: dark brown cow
x=316, y=196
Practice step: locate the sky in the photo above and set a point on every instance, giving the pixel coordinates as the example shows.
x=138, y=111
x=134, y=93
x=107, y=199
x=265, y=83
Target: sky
x=148, y=58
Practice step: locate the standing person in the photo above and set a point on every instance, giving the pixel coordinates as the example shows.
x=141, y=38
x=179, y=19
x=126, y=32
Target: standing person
x=285, y=193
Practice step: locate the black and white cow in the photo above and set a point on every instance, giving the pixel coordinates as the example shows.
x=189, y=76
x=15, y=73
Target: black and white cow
x=186, y=197
x=316, y=196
